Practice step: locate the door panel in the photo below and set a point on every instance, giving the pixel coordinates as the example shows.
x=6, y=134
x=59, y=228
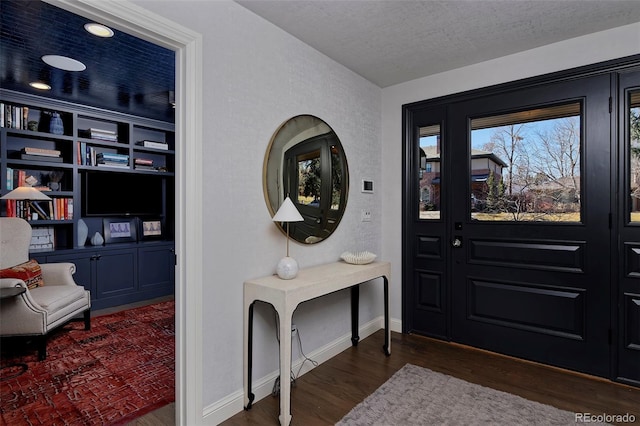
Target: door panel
x=534, y=282
x=628, y=294
x=514, y=256
x=426, y=242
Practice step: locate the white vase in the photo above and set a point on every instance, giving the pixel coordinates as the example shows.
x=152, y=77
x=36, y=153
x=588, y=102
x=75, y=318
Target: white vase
x=97, y=239
x=83, y=233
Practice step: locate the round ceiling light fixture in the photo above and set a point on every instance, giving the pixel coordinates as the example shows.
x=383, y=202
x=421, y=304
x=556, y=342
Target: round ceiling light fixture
x=40, y=85
x=98, y=30
x=64, y=63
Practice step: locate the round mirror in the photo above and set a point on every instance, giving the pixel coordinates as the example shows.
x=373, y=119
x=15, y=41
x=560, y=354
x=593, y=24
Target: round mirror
x=305, y=161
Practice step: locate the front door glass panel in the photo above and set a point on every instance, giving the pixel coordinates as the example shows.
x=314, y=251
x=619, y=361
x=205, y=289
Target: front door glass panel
x=525, y=165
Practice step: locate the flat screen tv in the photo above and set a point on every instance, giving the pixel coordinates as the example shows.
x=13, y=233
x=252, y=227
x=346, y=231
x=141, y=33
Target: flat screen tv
x=122, y=194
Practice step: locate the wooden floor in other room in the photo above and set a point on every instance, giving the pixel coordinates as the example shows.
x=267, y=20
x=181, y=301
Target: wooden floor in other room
x=328, y=392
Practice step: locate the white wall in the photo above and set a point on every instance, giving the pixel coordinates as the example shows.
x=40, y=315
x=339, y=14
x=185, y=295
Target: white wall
x=255, y=77
x=590, y=49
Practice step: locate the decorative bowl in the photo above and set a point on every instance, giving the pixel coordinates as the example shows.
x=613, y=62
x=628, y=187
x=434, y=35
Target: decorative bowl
x=358, y=257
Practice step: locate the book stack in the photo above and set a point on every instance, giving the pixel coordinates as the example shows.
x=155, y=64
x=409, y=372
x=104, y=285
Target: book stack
x=109, y=159
x=42, y=238
x=101, y=134
x=144, y=164
x=40, y=154
x=154, y=144
x=55, y=209
x=13, y=117
x=17, y=178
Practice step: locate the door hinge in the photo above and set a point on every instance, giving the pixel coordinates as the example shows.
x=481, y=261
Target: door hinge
x=610, y=337
x=610, y=221
x=610, y=104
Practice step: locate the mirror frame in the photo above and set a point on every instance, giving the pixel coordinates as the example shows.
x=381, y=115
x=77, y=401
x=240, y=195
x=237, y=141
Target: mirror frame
x=291, y=134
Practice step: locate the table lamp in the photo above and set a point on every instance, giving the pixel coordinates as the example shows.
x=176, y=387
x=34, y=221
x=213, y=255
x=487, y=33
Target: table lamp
x=28, y=194
x=287, y=267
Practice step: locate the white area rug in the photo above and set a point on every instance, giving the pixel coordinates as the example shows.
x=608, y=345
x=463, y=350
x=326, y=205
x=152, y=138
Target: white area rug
x=419, y=396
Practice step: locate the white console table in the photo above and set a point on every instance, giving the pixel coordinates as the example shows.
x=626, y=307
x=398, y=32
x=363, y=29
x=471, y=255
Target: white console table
x=286, y=295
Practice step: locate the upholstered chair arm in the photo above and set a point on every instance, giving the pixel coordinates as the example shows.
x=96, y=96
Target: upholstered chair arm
x=58, y=273
x=21, y=314
x=11, y=282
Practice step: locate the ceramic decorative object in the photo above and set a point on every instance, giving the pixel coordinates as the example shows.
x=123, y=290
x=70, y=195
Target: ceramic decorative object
x=83, y=233
x=287, y=268
x=97, y=239
x=358, y=257
x=32, y=125
x=55, y=126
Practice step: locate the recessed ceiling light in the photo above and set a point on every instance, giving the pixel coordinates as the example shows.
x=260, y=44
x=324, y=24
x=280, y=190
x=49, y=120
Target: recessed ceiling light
x=40, y=85
x=98, y=30
x=64, y=63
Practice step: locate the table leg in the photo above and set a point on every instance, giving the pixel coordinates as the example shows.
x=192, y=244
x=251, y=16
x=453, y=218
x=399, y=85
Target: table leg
x=285, y=368
x=387, y=330
x=355, y=304
x=248, y=357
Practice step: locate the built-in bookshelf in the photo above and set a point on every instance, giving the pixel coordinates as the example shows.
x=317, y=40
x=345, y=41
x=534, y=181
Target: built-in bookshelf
x=98, y=166
x=61, y=148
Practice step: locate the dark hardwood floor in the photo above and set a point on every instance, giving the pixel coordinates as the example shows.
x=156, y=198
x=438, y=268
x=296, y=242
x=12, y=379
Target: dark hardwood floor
x=328, y=392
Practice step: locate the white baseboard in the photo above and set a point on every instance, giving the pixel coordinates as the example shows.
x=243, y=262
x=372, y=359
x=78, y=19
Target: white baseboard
x=232, y=404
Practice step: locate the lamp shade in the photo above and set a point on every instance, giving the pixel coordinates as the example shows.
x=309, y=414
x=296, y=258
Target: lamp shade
x=25, y=193
x=287, y=212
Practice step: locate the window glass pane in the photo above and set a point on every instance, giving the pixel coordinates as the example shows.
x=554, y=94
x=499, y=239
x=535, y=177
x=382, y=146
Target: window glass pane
x=429, y=173
x=309, y=178
x=634, y=154
x=525, y=166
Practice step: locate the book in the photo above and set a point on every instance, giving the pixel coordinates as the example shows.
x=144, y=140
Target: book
x=112, y=156
x=41, y=151
x=143, y=161
x=146, y=168
x=99, y=134
x=154, y=144
x=41, y=158
x=120, y=166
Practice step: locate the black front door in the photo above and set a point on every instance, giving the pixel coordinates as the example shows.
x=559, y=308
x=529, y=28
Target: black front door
x=507, y=223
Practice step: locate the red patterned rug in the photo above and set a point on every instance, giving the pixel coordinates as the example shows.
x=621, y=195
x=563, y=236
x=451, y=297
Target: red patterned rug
x=123, y=368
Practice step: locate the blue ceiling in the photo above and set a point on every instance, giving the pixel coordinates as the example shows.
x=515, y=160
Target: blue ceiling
x=124, y=73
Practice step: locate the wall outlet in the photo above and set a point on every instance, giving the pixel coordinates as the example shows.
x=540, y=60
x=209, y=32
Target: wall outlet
x=365, y=215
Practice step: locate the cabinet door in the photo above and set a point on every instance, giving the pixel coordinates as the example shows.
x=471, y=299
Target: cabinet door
x=156, y=268
x=82, y=275
x=115, y=273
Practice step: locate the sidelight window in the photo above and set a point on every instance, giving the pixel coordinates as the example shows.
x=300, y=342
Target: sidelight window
x=633, y=132
x=526, y=165
x=429, y=172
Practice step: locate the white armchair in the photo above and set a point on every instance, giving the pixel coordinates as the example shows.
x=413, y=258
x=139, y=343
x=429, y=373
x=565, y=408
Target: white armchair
x=39, y=310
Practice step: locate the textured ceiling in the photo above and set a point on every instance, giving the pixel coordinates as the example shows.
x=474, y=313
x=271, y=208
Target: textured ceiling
x=393, y=41
x=124, y=73
x=387, y=42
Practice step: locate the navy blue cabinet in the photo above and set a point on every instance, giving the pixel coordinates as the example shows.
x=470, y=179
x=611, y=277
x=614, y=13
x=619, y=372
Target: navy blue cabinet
x=122, y=274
